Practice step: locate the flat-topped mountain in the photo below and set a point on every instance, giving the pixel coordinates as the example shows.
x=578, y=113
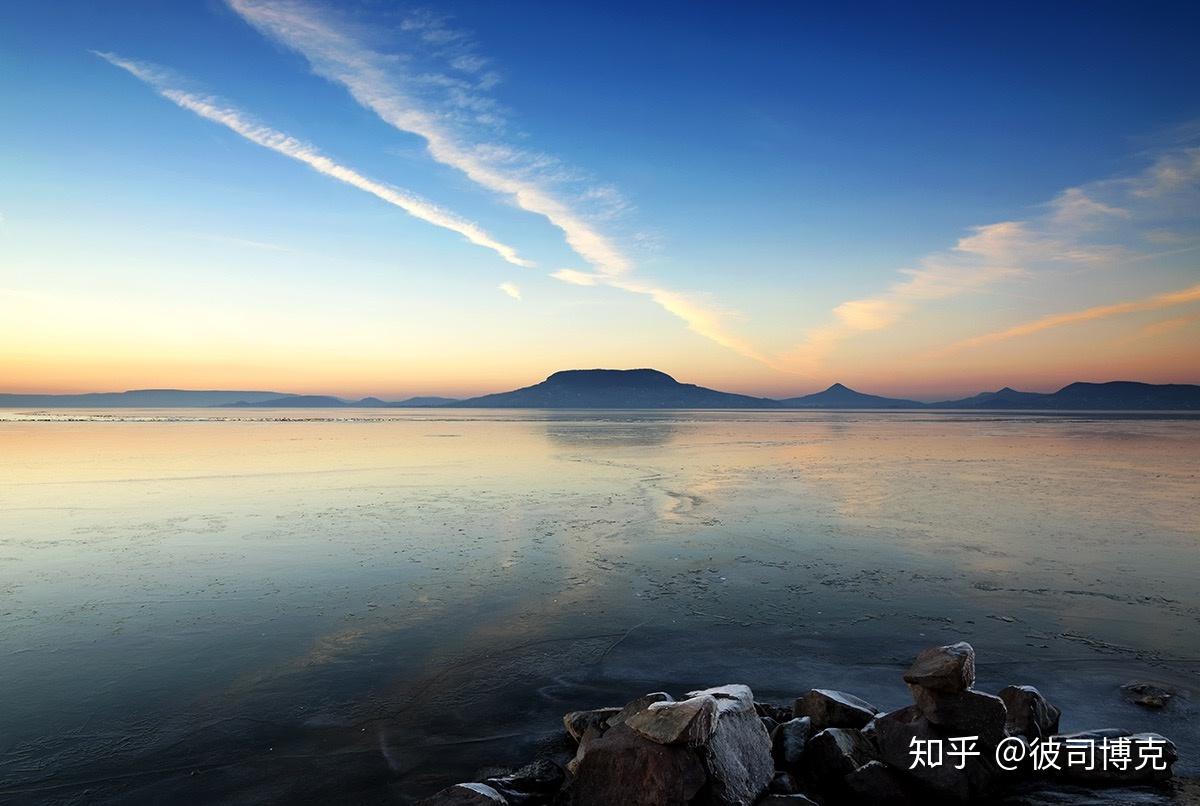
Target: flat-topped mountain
x=615, y=389
x=843, y=397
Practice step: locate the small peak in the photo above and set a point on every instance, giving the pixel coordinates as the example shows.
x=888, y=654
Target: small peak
x=837, y=387
x=1007, y=389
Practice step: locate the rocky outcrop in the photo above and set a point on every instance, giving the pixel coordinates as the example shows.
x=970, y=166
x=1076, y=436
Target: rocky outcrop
x=788, y=741
x=1028, y=713
x=465, y=795
x=737, y=756
x=718, y=747
x=622, y=767
x=833, y=709
x=943, y=668
x=577, y=722
x=690, y=722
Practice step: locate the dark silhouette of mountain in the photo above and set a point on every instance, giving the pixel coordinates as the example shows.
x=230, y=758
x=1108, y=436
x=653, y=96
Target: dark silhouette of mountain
x=1006, y=398
x=138, y=399
x=425, y=402
x=649, y=389
x=294, y=402
x=1113, y=396
x=842, y=397
x=615, y=389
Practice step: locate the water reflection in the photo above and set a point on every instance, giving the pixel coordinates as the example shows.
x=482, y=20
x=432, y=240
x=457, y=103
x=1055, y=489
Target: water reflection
x=599, y=435
x=340, y=609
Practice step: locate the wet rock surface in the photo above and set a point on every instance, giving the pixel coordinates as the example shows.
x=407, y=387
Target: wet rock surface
x=954, y=744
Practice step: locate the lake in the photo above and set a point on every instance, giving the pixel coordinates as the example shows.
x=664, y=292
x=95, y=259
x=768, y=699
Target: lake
x=323, y=605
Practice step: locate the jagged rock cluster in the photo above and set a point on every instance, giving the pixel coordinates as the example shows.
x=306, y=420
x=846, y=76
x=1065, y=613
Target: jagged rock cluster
x=718, y=747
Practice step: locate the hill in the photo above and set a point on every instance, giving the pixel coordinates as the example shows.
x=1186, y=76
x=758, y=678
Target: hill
x=842, y=397
x=138, y=399
x=298, y=402
x=615, y=389
x=425, y=402
x=1111, y=396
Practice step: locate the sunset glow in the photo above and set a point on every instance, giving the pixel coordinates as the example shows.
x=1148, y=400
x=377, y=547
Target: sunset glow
x=333, y=204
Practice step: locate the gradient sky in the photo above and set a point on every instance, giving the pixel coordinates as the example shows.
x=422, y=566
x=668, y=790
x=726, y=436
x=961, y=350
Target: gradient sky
x=394, y=199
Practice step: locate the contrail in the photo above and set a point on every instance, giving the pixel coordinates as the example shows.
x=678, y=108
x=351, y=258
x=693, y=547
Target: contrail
x=214, y=110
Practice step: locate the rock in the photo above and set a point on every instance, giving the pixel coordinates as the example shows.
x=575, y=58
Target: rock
x=780, y=713
x=964, y=713
x=783, y=783
x=787, y=800
x=731, y=697
x=532, y=785
x=585, y=742
x=878, y=784
x=945, y=668
x=576, y=722
x=737, y=757
x=622, y=767
x=833, y=709
x=769, y=723
x=893, y=734
x=836, y=752
x=711, y=747
x=788, y=741
x=1029, y=714
x=690, y=722
x=1147, y=695
x=465, y=795
x=1143, y=748
x=640, y=704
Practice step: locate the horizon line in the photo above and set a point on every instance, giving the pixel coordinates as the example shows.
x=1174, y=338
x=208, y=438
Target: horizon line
x=391, y=398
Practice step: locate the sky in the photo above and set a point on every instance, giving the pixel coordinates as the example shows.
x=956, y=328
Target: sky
x=393, y=199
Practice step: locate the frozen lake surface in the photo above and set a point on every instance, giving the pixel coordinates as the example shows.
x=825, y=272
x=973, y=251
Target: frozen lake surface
x=221, y=605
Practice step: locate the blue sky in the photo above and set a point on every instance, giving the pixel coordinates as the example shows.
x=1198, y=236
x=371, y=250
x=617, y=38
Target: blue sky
x=751, y=179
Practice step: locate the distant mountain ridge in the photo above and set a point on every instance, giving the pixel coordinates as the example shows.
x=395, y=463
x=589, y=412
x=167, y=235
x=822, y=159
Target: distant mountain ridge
x=140, y=399
x=1079, y=396
x=648, y=389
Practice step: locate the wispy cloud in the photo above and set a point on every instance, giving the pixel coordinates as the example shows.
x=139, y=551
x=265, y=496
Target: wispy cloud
x=213, y=109
x=511, y=289
x=448, y=112
x=409, y=102
x=265, y=246
x=1081, y=229
x=1154, y=303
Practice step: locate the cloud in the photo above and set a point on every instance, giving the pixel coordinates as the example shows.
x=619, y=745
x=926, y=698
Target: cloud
x=216, y=111
x=511, y=289
x=1073, y=206
x=1172, y=172
x=401, y=99
x=701, y=317
x=1166, y=326
x=577, y=277
x=446, y=111
x=1156, y=302
x=1079, y=230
